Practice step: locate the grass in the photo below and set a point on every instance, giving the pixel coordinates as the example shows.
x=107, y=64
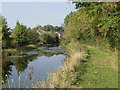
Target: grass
x=64, y=76
x=88, y=67
x=85, y=67
x=31, y=46
x=102, y=71
x=20, y=49
x=10, y=50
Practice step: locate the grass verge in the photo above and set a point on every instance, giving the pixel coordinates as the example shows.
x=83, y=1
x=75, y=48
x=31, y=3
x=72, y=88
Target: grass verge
x=102, y=71
x=85, y=67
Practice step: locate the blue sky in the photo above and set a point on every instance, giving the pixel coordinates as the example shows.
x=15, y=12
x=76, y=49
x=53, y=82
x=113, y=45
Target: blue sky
x=36, y=13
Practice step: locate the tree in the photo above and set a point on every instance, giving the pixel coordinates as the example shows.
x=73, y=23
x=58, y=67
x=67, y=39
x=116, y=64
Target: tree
x=57, y=28
x=67, y=18
x=38, y=27
x=52, y=28
x=20, y=35
x=5, y=36
x=48, y=28
x=33, y=36
x=49, y=38
x=96, y=22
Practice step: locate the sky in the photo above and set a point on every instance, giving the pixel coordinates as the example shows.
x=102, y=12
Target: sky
x=36, y=13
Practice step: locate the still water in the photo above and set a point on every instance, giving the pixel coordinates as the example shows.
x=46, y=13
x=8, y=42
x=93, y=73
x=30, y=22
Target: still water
x=24, y=68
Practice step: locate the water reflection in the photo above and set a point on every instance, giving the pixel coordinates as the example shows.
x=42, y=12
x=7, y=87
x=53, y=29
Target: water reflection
x=21, y=59
x=6, y=70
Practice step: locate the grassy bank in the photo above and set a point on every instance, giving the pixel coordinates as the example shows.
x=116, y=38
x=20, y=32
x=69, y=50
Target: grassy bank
x=103, y=69
x=85, y=67
x=30, y=46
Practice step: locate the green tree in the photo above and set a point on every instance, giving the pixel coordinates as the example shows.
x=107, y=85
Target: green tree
x=49, y=38
x=20, y=35
x=38, y=27
x=96, y=22
x=67, y=18
x=33, y=36
x=57, y=28
x=48, y=28
x=5, y=35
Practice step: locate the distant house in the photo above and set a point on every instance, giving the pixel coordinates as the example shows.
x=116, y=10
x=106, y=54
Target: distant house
x=41, y=31
x=11, y=31
x=60, y=34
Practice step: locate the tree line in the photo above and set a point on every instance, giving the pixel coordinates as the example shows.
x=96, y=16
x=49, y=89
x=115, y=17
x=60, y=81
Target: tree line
x=94, y=23
x=49, y=28
x=22, y=35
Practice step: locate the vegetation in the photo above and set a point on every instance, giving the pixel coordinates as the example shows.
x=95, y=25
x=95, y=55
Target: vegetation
x=85, y=67
x=67, y=18
x=49, y=38
x=102, y=71
x=95, y=24
x=49, y=28
x=33, y=36
x=52, y=28
x=5, y=35
x=20, y=35
x=91, y=40
x=38, y=27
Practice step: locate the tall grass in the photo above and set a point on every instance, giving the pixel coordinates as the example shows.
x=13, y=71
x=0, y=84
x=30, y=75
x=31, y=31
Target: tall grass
x=65, y=76
x=28, y=81
x=85, y=67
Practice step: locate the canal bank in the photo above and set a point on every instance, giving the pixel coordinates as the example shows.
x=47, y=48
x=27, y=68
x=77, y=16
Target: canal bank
x=85, y=67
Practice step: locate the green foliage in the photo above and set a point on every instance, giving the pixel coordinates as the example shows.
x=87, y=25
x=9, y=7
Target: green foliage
x=5, y=34
x=49, y=38
x=52, y=28
x=38, y=27
x=20, y=35
x=67, y=18
x=48, y=27
x=65, y=41
x=57, y=28
x=81, y=69
x=33, y=36
x=81, y=4
x=21, y=63
x=96, y=22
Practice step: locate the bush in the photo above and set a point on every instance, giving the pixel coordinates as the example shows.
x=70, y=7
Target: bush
x=33, y=37
x=20, y=35
x=49, y=38
x=94, y=24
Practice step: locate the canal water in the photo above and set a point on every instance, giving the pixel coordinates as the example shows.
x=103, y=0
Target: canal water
x=24, y=68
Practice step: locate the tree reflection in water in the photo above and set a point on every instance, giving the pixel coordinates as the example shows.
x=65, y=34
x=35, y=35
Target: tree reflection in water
x=21, y=60
x=6, y=70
